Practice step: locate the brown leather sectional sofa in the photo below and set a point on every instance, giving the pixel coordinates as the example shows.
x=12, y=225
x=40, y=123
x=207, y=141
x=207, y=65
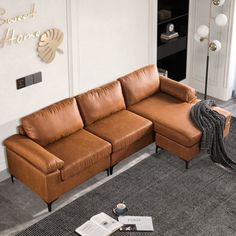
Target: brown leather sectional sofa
x=63, y=145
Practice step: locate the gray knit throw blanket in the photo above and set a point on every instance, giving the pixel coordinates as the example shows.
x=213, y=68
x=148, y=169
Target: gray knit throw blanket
x=212, y=125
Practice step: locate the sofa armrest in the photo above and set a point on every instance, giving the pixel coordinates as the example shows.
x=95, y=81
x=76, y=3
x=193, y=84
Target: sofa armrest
x=223, y=112
x=34, y=153
x=181, y=91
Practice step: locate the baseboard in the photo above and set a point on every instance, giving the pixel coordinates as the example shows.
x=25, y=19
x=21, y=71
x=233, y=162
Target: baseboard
x=4, y=174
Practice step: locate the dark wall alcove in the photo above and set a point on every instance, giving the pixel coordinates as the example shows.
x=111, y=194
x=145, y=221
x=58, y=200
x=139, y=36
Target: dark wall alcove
x=172, y=54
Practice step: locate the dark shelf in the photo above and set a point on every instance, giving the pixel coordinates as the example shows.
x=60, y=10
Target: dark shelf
x=171, y=47
x=172, y=54
x=172, y=19
x=175, y=65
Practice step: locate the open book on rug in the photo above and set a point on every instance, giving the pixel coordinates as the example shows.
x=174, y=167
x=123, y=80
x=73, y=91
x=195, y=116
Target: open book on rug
x=136, y=223
x=99, y=225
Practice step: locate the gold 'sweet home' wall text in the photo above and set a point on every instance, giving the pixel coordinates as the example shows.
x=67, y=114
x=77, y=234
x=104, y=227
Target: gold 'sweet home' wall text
x=10, y=36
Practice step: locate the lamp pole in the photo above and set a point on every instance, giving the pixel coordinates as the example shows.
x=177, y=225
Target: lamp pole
x=204, y=34
x=206, y=78
x=208, y=50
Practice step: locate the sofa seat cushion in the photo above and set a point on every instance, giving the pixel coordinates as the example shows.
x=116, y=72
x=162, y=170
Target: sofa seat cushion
x=121, y=129
x=79, y=151
x=171, y=118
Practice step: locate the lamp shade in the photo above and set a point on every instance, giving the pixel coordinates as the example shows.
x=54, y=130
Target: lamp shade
x=218, y=2
x=221, y=20
x=215, y=46
x=203, y=31
x=197, y=38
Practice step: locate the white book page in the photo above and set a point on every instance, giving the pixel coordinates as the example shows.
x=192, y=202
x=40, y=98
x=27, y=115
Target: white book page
x=91, y=229
x=143, y=223
x=106, y=222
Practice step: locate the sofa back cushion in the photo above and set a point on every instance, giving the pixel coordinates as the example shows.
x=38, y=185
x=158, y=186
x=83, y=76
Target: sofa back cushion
x=53, y=122
x=101, y=102
x=140, y=84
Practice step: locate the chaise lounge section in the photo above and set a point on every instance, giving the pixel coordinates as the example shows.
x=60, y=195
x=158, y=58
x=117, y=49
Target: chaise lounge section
x=168, y=107
x=65, y=144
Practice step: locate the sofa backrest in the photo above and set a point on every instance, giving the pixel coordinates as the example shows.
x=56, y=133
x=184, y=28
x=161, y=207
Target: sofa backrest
x=140, y=84
x=101, y=102
x=53, y=122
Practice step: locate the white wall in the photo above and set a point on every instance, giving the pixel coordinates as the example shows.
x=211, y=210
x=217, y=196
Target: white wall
x=19, y=60
x=113, y=39
x=103, y=40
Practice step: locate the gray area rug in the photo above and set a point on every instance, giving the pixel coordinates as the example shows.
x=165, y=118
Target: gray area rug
x=199, y=201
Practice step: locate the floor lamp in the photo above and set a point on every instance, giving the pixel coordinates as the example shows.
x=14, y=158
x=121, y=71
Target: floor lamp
x=204, y=33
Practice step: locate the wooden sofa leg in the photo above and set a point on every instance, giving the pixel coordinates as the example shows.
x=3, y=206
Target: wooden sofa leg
x=186, y=164
x=12, y=178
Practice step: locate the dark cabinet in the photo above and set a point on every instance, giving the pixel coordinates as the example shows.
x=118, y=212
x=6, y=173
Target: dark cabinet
x=172, y=53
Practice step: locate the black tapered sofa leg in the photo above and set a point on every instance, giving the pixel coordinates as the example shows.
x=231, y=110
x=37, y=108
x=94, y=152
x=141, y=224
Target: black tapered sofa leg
x=186, y=164
x=157, y=149
x=49, y=206
x=12, y=178
x=111, y=170
x=108, y=171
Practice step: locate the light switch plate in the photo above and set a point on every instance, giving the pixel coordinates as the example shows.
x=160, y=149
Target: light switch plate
x=29, y=80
